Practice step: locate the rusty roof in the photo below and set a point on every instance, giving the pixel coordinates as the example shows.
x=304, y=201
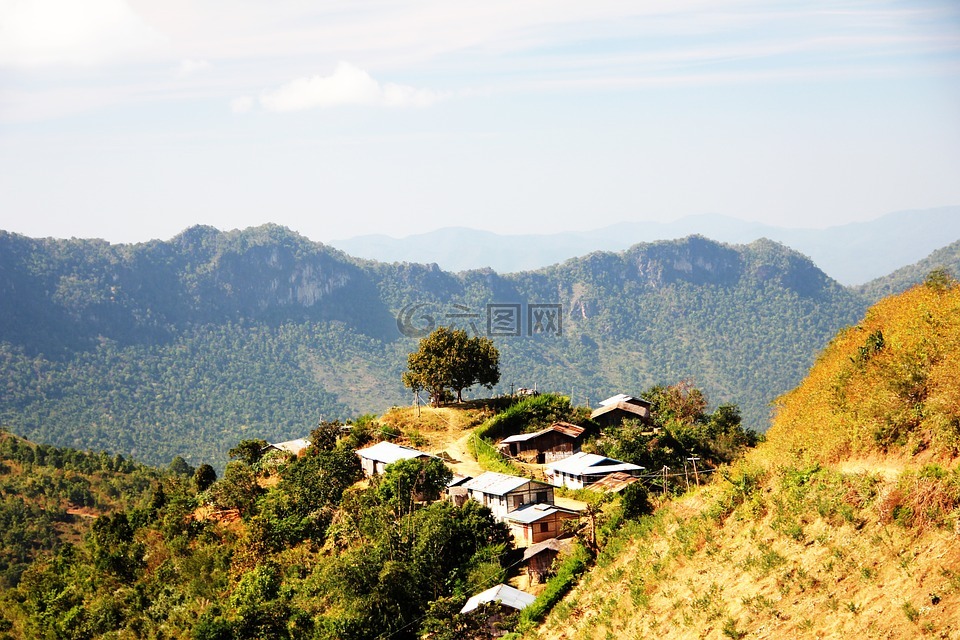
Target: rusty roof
x=635, y=409
x=565, y=428
x=615, y=482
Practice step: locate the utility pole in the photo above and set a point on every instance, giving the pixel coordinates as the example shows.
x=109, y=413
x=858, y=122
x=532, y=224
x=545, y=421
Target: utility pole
x=694, y=459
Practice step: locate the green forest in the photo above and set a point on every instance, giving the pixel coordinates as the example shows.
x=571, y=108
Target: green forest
x=284, y=546
x=182, y=347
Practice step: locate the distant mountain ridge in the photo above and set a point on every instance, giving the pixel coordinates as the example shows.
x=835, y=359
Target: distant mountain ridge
x=852, y=254
x=183, y=347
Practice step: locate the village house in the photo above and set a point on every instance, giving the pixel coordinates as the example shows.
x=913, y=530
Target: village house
x=584, y=469
x=533, y=523
x=503, y=601
x=376, y=458
x=559, y=440
x=538, y=558
x=616, y=409
x=503, y=493
x=293, y=447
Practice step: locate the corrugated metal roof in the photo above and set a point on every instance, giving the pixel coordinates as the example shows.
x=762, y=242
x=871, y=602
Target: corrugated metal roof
x=622, y=397
x=553, y=544
x=502, y=593
x=520, y=437
x=565, y=428
x=615, y=482
x=636, y=409
x=534, y=512
x=388, y=453
x=291, y=446
x=496, y=484
x=589, y=464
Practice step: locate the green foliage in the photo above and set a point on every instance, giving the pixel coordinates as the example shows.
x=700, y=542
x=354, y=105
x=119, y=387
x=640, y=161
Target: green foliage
x=490, y=459
x=188, y=346
x=635, y=501
x=562, y=581
x=204, y=476
x=407, y=482
x=248, y=451
x=450, y=359
x=529, y=413
x=682, y=429
x=237, y=489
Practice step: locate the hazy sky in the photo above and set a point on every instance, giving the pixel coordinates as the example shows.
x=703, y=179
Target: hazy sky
x=131, y=120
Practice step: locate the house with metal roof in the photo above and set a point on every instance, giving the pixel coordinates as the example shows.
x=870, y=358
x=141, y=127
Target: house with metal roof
x=615, y=409
x=376, y=458
x=293, y=447
x=533, y=523
x=559, y=440
x=503, y=493
x=503, y=594
x=584, y=469
x=539, y=557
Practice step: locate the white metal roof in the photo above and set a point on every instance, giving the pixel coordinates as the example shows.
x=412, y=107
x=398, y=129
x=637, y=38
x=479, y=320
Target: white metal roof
x=622, y=397
x=502, y=593
x=533, y=512
x=520, y=437
x=496, y=484
x=590, y=464
x=291, y=446
x=388, y=453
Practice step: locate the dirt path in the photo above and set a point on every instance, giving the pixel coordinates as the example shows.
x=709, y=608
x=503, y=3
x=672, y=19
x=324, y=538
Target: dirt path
x=463, y=463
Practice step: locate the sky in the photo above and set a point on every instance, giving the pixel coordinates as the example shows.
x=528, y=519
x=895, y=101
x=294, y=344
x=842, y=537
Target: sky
x=131, y=120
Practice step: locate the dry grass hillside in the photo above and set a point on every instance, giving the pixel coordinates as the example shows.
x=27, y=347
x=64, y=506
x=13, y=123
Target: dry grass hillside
x=844, y=524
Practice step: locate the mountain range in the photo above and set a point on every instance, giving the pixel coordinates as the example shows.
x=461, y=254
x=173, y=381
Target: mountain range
x=852, y=254
x=183, y=347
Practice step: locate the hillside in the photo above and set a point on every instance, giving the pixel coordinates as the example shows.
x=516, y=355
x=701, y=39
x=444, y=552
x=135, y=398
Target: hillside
x=852, y=254
x=905, y=277
x=844, y=523
x=50, y=496
x=182, y=347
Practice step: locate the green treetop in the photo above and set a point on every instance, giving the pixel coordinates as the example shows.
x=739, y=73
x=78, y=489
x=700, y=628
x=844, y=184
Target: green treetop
x=449, y=359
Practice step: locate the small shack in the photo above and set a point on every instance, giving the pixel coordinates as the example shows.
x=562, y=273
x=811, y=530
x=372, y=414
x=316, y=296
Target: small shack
x=501, y=600
x=616, y=409
x=559, y=440
x=538, y=558
x=615, y=482
x=376, y=458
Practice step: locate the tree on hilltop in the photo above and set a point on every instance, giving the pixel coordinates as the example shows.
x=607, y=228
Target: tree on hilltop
x=449, y=359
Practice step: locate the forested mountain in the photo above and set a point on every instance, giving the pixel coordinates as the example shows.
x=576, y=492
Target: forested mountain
x=852, y=253
x=185, y=346
x=947, y=258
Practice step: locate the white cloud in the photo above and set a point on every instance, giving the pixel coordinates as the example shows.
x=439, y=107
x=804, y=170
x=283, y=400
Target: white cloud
x=70, y=32
x=189, y=67
x=348, y=85
x=243, y=104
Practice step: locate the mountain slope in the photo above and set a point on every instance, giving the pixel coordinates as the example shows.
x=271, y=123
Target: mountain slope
x=852, y=253
x=182, y=347
x=902, y=279
x=842, y=524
